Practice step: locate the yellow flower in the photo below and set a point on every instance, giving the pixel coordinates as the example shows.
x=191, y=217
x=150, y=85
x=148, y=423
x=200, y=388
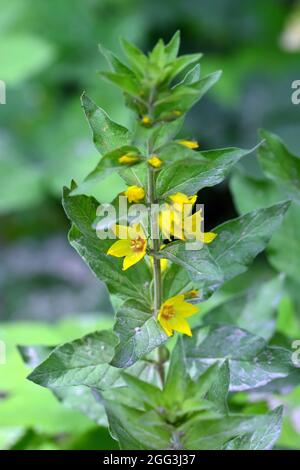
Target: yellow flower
x=134, y=193
x=146, y=120
x=181, y=198
x=192, y=294
x=155, y=161
x=132, y=248
x=190, y=144
x=128, y=158
x=173, y=313
x=176, y=112
x=170, y=222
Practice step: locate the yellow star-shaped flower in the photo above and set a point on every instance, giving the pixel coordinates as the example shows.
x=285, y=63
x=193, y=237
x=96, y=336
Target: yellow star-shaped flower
x=132, y=247
x=173, y=314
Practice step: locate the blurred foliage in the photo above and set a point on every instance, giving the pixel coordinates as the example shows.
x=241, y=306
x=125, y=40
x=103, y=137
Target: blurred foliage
x=49, y=56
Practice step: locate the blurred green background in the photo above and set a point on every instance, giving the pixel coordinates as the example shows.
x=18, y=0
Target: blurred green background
x=48, y=56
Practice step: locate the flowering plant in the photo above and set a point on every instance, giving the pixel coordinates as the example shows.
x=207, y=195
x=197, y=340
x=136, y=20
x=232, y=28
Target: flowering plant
x=159, y=267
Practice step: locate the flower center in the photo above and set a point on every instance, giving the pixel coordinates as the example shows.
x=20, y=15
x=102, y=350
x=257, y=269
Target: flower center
x=138, y=244
x=168, y=312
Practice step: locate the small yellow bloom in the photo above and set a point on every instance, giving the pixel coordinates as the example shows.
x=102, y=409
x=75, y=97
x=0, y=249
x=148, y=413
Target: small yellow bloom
x=170, y=222
x=192, y=294
x=128, y=158
x=134, y=193
x=181, y=198
x=176, y=112
x=132, y=248
x=146, y=120
x=173, y=313
x=155, y=161
x=190, y=144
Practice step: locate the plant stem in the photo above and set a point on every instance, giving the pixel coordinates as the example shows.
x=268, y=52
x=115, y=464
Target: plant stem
x=157, y=281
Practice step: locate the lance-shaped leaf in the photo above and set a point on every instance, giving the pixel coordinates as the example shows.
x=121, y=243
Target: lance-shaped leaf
x=81, y=210
x=111, y=162
x=199, y=263
x=183, y=97
x=176, y=280
x=126, y=82
x=172, y=48
x=239, y=240
x=134, y=429
x=254, y=310
x=284, y=249
x=137, y=59
x=84, y=361
x=252, y=362
x=249, y=193
x=280, y=165
x=181, y=63
x=264, y=436
x=215, y=434
x=191, y=175
x=107, y=135
x=138, y=332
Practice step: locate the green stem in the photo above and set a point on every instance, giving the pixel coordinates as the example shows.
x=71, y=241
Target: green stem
x=157, y=281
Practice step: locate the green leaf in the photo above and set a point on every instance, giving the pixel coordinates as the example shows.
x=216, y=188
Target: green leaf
x=134, y=431
x=138, y=332
x=177, y=379
x=191, y=175
x=214, y=434
x=107, y=135
x=264, y=436
x=284, y=249
x=183, y=97
x=81, y=210
x=110, y=163
x=115, y=63
x=252, y=362
x=84, y=361
x=126, y=82
x=181, y=63
x=239, y=240
x=249, y=193
x=172, y=48
x=218, y=391
x=279, y=164
x=200, y=265
x=137, y=59
x=255, y=310
x=176, y=280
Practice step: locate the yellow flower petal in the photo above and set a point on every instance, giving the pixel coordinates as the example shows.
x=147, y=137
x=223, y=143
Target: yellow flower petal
x=181, y=198
x=209, y=237
x=155, y=162
x=120, y=248
x=191, y=144
x=128, y=158
x=132, y=259
x=186, y=310
x=134, y=193
x=181, y=325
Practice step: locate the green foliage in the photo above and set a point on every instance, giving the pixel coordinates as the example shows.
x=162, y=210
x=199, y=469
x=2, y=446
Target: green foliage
x=156, y=397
